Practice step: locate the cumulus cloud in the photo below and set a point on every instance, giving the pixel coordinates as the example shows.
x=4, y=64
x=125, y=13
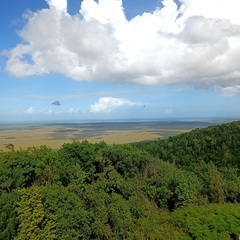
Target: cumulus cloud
x=107, y=104
x=59, y=5
x=195, y=44
x=30, y=110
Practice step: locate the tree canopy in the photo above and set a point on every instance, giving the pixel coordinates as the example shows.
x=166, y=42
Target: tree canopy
x=184, y=187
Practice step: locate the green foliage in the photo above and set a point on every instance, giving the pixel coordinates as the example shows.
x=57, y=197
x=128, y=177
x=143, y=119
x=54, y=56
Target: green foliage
x=212, y=180
x=67, y=208
x=180, y=189
x=22, y=168
x=120, y=218
x=174, y=187
x=33, y=222
x=96, y=202
x=210, y=222
x=8, y=216
x=46, y=164
x=231, y=184
x=107, y=198
x=217, y=144
x=126, y=159
x=16, y=170
x=82, y=153
x=100, y=191
x=207, y=152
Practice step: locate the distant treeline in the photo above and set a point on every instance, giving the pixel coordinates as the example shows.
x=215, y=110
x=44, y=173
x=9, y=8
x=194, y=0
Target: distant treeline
x=184, y=187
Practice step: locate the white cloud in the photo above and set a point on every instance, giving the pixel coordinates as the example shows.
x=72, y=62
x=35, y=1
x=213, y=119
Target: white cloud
x=196, y=44
x=59, y=5
x=57, y=112
x=30, y=110
x=73, y=111
x=107, y=104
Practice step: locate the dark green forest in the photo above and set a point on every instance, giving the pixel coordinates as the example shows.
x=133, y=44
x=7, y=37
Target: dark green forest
x=183, y=187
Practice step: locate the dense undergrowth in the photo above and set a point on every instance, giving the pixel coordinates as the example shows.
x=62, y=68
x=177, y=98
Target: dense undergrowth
x=184, y=187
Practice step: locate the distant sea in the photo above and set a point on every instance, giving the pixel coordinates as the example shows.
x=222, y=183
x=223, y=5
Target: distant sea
x=187, y=119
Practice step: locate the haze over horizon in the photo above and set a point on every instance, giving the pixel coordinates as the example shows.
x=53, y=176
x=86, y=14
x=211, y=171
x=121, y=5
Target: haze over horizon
x=111, y=59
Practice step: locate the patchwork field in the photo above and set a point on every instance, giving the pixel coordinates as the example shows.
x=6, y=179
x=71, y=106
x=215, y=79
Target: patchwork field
x=55, y=134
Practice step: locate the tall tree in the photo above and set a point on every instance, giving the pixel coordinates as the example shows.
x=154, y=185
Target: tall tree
x=33, y=224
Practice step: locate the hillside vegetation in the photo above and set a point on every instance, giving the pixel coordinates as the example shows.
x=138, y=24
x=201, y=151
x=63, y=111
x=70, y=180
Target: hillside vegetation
x=184, y=187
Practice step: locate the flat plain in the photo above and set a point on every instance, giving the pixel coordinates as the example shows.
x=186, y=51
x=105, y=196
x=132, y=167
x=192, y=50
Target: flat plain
x=55, y=134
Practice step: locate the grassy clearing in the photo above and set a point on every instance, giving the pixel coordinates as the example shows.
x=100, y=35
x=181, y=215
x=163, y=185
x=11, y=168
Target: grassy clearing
x=123, y=136
x=49, y=137
x=29, y=138
x=54, y=135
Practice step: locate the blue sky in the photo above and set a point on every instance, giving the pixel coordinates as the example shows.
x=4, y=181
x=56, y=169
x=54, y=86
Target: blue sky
x=116, y=60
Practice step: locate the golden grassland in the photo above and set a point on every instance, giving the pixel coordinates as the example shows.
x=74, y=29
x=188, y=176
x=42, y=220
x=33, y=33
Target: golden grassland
x=37, y=137
x=28, y=135
x=28, y=138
